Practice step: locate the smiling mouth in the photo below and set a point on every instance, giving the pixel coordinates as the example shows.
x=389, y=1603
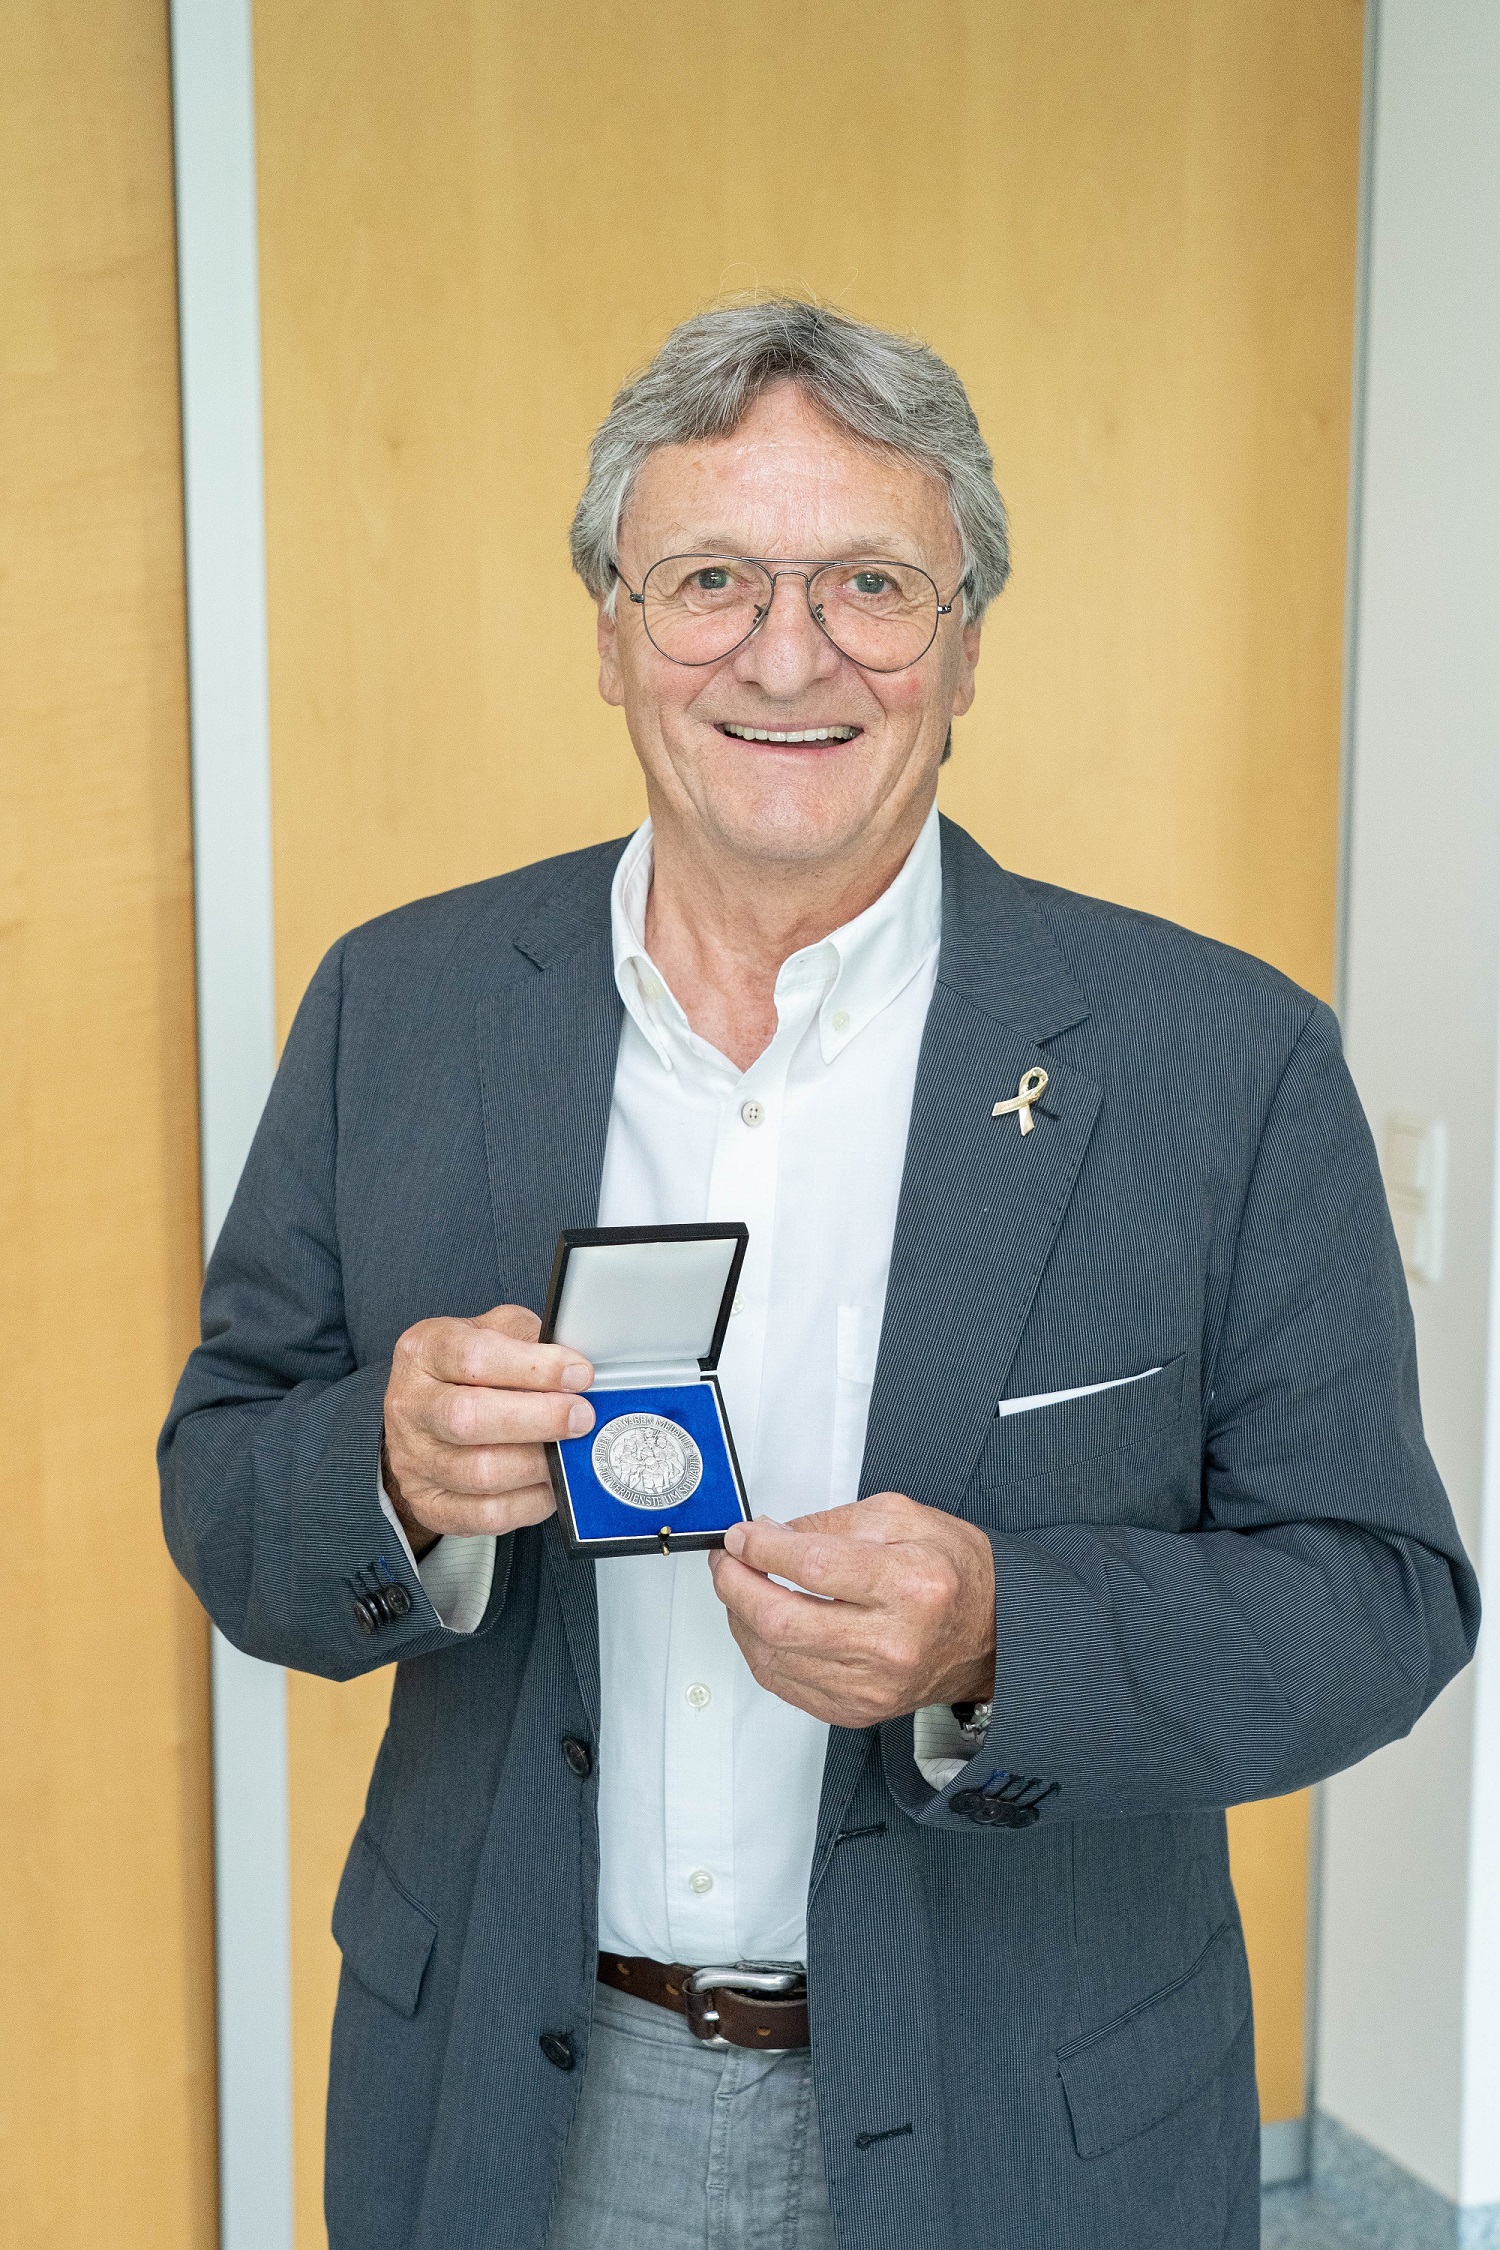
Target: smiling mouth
x=800, y=734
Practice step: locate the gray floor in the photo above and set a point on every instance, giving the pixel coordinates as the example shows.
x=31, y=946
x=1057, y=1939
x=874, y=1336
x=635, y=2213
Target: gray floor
x=1298, y=2218
x=1358, y=2199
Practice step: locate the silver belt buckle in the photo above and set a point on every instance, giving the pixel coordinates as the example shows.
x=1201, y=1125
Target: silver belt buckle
x=738, y=1976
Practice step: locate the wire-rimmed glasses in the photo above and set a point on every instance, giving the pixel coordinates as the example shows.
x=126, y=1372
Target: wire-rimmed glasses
x=698, y=609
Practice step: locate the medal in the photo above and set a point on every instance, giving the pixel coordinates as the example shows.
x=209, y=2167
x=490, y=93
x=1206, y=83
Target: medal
x=647, y=1461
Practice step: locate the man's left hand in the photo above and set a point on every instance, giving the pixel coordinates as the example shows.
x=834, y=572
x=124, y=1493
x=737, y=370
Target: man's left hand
x=910, y=1621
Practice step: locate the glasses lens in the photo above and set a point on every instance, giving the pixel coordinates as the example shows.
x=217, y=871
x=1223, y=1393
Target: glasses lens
x=882, y=615
x=698, y=607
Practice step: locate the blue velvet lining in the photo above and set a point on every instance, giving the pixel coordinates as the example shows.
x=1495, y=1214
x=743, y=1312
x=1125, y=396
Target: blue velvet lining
x=695, y=1408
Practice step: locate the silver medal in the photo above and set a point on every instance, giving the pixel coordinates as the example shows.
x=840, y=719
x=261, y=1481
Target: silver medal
x=647, y=1461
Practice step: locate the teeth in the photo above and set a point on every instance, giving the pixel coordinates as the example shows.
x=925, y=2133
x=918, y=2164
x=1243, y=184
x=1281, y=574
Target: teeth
x=806, y=734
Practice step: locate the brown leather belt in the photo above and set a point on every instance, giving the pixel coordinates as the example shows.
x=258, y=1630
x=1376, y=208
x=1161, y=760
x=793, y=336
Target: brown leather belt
x=736, y=2006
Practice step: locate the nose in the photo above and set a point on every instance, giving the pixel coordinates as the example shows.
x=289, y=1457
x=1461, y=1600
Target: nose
x=788, y=651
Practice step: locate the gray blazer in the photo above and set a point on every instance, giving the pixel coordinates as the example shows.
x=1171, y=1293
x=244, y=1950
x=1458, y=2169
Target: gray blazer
x=1031, y=2017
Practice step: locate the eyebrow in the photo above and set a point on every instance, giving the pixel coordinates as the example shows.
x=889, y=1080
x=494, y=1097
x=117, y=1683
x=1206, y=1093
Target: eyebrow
x=881, y=548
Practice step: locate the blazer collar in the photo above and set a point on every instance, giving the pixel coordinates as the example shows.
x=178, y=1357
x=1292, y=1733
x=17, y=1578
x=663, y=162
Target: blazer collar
x=997, y=948
x=575, y=911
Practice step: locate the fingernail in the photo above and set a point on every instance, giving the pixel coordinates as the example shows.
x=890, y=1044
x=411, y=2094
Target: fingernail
x=580, y=1418
x=734, y=1537
x=577, y=1377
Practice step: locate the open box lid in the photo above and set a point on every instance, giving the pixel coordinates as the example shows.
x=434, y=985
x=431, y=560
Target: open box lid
x=642, y=1302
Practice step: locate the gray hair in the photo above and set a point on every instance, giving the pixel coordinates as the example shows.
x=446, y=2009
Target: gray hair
x=889, y=391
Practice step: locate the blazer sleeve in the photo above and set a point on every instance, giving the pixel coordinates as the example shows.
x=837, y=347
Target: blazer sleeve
x=269, y=1458
x=1325, y=1597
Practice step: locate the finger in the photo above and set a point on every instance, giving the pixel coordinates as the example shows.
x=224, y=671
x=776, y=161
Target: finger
x=469, y=1351
x=850, y=1570
x=459, y=1515
x=474, y=1471
x=884, y=1517
x=467, y=1414
x=781, y=1619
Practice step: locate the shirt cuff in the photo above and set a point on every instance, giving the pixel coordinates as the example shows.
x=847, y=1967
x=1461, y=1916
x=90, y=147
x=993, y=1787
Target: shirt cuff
x=456, y=1574
x=939, y=1745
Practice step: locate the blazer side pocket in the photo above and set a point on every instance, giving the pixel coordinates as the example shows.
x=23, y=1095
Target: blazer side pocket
x=384, y=1936
x=1135, y=2071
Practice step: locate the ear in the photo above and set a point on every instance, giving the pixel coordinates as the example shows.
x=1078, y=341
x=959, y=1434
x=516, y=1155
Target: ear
x=963, y=686
x=607, y=633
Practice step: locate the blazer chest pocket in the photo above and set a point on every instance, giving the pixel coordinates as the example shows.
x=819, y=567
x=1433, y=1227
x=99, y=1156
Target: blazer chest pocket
x=1134, y=2072
x=1125, y=1454
x=384, y=1936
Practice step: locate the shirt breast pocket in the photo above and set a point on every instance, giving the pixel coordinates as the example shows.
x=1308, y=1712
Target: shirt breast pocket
x=857, y=1349
x=1124, y=1454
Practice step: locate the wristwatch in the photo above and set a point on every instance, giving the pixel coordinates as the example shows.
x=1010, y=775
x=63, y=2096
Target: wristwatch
x=973, y=1720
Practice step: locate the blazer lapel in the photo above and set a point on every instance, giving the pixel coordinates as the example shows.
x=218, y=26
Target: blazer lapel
x=981, y=1201
x=980, y=1206
x=549, y=1030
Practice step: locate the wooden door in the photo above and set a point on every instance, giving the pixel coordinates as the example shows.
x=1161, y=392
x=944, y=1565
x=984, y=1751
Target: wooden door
x=106, y=1876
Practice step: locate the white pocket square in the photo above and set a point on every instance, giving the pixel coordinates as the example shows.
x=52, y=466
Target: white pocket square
x=1084, y=1390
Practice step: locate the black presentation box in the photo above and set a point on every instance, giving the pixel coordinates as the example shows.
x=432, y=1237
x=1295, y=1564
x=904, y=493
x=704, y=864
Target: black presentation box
x=648, y=1308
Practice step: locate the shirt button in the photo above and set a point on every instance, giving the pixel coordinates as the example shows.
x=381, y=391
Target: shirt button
x=841, y=1019
x=700, y=1881
x=753, y=1113
x=739, y=1303
x=700, y=1696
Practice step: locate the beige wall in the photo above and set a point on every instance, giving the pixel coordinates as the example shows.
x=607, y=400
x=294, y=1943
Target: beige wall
x=1132, y=227
x=106, y=1975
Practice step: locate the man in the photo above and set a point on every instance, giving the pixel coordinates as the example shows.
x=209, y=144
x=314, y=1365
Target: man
x=1071, y=1370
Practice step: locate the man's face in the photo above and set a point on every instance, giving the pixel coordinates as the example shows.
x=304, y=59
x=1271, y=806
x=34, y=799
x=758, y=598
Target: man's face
x=788, y=485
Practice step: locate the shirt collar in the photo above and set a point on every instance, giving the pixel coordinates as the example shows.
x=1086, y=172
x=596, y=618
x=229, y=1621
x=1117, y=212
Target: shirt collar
x=866, y=964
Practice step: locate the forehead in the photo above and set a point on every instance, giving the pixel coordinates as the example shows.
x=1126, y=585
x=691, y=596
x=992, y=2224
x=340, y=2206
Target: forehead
x=788, y=481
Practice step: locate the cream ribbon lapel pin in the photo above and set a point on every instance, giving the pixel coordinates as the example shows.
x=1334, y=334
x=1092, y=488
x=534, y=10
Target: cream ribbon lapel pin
x=1031, y=1089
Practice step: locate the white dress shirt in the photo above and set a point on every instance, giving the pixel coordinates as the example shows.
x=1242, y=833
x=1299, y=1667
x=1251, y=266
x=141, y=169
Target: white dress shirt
x=708, y=1784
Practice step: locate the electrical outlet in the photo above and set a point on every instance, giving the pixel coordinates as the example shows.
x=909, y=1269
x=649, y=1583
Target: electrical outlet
x=1415, y=1163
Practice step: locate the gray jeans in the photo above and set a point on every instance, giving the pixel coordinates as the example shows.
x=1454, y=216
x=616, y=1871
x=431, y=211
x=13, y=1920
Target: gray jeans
x=678, y=2146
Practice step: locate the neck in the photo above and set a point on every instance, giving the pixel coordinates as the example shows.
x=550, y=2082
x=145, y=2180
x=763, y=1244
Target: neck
x=719, y=926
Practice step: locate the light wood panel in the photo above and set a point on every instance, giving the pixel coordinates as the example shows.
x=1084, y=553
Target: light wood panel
x=1132, y=227
x=106, y=1975
x=1268, y=1853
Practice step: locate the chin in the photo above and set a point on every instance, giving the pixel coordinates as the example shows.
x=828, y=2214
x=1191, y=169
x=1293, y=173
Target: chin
x=785, y=831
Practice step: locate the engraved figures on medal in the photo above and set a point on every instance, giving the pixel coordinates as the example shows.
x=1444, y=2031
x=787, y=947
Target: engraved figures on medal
x=647, y=1461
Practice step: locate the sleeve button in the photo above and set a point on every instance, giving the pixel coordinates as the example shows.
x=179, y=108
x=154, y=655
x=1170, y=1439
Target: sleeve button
x=992, y=1812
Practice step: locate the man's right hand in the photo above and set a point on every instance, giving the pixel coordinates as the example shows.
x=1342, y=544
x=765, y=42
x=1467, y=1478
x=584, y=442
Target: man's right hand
x=467, y=1408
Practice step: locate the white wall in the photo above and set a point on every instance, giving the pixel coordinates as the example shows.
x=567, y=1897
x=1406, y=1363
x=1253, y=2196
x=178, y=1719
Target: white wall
x=1409, y=2008
x=219, y=322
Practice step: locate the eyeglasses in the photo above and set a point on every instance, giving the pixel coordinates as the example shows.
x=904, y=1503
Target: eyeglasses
x=698, y=609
